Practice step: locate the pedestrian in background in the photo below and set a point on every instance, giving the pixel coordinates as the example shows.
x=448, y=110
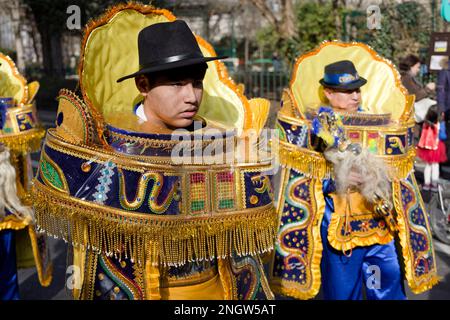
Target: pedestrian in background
x=409, y=69
x=431, y=148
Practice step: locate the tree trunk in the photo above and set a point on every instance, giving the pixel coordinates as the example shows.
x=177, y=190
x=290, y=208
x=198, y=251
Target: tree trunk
x=51, y=33
x=57, y=57
x=337, y=19
x=51, y=51
x=246, y=53
x=287, y=31
x=283, y=22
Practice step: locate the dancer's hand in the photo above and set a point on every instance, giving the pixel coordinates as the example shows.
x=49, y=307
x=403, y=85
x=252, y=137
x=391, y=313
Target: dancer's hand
x=355, y=178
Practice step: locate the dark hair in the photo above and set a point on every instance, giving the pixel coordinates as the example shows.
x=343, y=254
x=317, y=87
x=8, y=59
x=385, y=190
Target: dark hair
x=196, y=72
x=432, y=116
x=407, y=62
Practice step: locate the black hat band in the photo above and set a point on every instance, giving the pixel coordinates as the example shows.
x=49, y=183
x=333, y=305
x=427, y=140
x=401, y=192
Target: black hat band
x=170, y=59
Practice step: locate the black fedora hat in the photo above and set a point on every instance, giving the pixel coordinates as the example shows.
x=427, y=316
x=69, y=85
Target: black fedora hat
x=342, y=75
x=167, y=45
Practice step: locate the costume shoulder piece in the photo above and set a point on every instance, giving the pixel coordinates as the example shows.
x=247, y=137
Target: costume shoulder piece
x=107, y=185
x=20, y=134
x=384, y=129
x=19, y=128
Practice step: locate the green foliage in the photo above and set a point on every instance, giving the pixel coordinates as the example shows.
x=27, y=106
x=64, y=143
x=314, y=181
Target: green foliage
x=314, y=25
x=405, y=28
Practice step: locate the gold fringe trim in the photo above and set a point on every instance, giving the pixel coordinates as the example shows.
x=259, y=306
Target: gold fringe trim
x=314, y=165
x=417, y=285
x=311, y=163
x=167, y=240
x=25, y=142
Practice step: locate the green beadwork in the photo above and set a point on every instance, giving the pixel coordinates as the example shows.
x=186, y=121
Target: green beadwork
x=51, y=174
x=197, y=205
x=280, y=131
x=226, y=204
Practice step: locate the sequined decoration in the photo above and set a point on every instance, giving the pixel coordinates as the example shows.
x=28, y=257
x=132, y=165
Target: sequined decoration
x=225, y=191
x=104, y=181
x=198, y=193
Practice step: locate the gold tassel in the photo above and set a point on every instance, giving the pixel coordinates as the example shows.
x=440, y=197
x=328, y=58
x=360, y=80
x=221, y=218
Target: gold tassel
x=173, y=242
x=314, y=165
x=25, y=142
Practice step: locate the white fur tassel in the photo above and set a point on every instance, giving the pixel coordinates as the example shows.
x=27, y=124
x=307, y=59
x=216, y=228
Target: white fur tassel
x=372, y=169
x=8, y=190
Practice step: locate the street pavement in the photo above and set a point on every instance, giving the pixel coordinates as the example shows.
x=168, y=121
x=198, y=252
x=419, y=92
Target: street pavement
x=31, y=290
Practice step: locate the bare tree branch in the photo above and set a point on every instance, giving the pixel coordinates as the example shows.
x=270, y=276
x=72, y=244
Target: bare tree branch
x=285, y=23
x=265, y=11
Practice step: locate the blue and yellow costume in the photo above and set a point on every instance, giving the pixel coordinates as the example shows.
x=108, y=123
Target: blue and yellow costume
x=20, y=245
x=142, y=225
x=320, y=240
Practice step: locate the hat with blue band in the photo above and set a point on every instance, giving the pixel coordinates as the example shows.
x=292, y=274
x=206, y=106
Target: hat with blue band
x=342, y=75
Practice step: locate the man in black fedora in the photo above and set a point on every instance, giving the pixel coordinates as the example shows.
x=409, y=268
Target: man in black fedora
x=170, y=76
x=170, y=80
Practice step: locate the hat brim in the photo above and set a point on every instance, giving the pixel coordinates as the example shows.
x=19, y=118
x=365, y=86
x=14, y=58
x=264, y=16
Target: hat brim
x=354, y=85
x=171, y=65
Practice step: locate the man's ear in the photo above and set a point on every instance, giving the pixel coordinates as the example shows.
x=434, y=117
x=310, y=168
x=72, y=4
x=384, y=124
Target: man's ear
x=328, y=93
x=142, y=84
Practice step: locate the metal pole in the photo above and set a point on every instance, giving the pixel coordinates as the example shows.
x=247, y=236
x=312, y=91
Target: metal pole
x=233, y=40
x=433, y=15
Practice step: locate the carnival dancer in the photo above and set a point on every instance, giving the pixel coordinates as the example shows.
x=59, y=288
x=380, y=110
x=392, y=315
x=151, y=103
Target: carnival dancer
x=345, y=272
x=21, y=246
x=12, y=211
x=431, y=147
x=167, y=223
x=347, y=189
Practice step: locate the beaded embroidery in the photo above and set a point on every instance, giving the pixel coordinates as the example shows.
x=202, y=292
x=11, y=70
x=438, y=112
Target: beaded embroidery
x=104, y=182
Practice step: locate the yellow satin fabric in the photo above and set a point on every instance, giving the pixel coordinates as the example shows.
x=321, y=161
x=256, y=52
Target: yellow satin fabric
x=354, y=207
x=383, y=92
x=208, y=290
x=12, y=84
x=110, y=53
x=79, y=260
x=353, y=200
x=220, y=103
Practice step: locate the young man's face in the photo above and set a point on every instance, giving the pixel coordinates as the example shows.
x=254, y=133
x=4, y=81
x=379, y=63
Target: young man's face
x=344, y=100
x=172, y=98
